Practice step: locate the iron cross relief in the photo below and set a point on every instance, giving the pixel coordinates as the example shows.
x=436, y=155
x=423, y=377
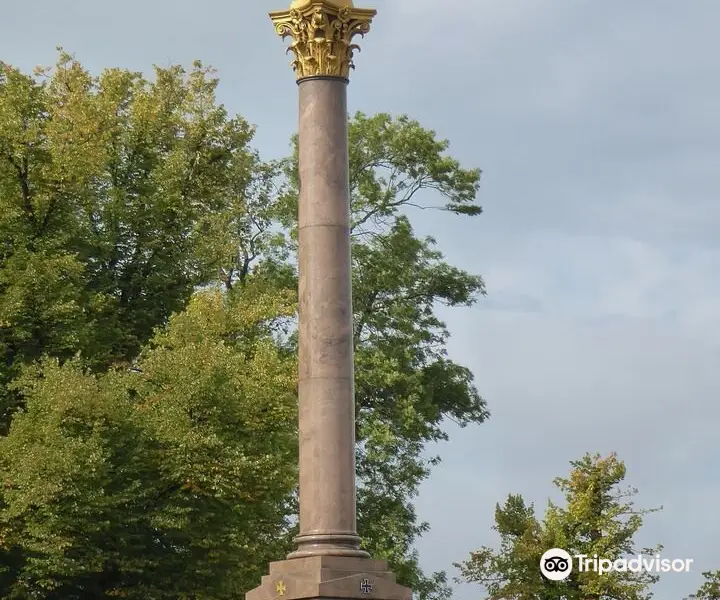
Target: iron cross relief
x=280, y=588
x=365, y=586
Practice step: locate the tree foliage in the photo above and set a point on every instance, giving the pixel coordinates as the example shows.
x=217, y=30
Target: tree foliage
x=171, y=480
x=599, y=518
x=146, y=336
x=115, y=198
x=710, y=589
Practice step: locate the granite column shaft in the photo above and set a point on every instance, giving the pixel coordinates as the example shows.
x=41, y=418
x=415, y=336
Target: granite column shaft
x=326, y=394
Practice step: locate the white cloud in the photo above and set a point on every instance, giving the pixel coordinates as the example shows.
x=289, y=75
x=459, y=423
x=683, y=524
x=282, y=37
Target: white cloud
x=600, y=276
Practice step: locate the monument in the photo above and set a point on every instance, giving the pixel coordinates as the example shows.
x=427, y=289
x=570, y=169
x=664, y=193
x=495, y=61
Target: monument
x=328, y=561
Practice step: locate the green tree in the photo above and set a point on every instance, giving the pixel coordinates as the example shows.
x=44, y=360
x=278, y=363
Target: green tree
x=115, y=198
x=599, y=518
x=710, y=589
x=173, y=480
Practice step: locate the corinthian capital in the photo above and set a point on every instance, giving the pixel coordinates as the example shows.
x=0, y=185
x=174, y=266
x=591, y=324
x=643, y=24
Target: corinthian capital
x=322, y=33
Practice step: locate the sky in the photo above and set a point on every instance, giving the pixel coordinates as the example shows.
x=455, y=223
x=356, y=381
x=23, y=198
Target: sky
x=597, y=128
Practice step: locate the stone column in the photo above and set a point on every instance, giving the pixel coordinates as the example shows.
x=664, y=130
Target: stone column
x=325, y=379
x=328, y=562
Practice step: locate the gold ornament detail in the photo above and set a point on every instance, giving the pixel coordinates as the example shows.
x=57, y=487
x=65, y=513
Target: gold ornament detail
x=322, y=32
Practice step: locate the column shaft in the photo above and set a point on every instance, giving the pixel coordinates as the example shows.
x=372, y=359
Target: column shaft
x=326, y=386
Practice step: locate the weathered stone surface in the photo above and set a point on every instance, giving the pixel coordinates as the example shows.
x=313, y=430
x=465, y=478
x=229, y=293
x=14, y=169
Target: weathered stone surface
x=329, y=577
x=327, y=411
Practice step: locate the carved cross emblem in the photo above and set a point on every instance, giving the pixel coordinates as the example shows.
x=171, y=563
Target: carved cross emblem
x=280, y=588
x=365, y=586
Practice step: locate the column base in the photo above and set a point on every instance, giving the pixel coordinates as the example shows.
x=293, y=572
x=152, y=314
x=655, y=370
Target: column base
x=330, y=544
x=329, y=577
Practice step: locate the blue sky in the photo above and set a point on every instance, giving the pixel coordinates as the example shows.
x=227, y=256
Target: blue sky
x=598, y=130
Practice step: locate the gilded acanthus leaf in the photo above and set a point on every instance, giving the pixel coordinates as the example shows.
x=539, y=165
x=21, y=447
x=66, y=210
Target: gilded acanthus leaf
x=322, y=37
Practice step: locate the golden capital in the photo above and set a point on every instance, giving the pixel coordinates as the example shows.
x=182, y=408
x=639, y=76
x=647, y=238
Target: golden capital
x=322, y=32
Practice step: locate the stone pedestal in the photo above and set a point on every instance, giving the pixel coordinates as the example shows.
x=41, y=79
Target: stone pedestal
x=328, y=562
x=329, y=577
